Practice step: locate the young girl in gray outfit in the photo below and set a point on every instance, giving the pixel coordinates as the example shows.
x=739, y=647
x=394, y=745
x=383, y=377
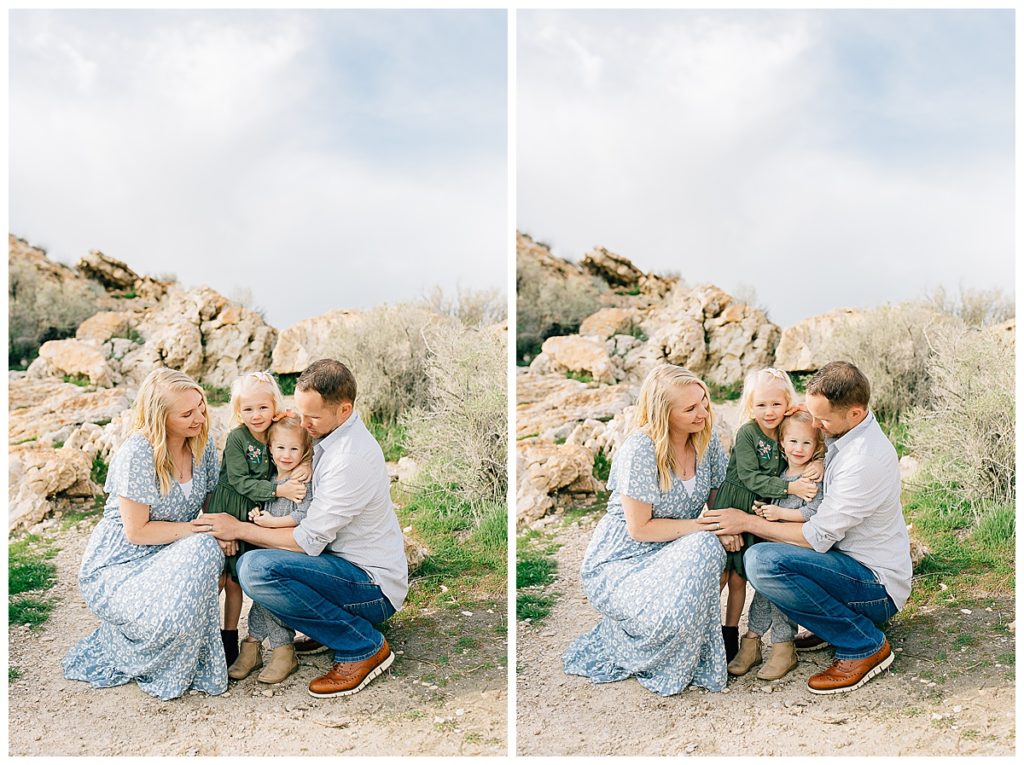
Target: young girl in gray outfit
x=801, y=442
x=290, y=446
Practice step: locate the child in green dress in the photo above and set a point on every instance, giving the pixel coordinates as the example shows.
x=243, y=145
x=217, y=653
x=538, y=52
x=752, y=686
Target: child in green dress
x=753, y=473
x=245, y=474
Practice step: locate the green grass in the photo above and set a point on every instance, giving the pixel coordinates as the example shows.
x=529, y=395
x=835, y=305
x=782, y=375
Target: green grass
x=28, y=440
x=729, y=392
x=582, y=377
x=897, y=433
x=287, y=383
x=13, y=673
x=635, y=330
x=129, y=295
x=800, y=379
x=80, y=380
x=30, y=611
x=132, y=334
x=535, y=567
x=98, y=474
x=72, y=517
x=534, y=570
x=216, y=396
x=602, y=465
x=1007, y=659
x=29, y=571
x=533, y=607
x=390, y=437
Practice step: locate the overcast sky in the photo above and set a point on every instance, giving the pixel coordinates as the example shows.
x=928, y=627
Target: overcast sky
x=823, y=159
x=320, y=159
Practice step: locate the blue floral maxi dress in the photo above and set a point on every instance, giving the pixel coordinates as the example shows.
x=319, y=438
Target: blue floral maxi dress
x=660, y=600
x=157, y=604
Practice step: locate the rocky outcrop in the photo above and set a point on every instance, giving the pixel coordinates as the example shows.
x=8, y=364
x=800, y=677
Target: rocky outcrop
x=808, y=344
x=309, y=340
x=38, y=475
x=554, y=416
x=547, y=468
x=614, y=269
x=117, y=277
x=577, y=355
x=54, y=418
x=74, y=358
x=608, y=322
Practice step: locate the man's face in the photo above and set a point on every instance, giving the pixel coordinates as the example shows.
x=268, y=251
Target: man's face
x=830, y=420
x=318, y=417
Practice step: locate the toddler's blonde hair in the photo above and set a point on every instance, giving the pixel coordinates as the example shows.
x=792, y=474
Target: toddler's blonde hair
x=652, y=411
x=292, y=422
x=766, y=377
x=249, y=382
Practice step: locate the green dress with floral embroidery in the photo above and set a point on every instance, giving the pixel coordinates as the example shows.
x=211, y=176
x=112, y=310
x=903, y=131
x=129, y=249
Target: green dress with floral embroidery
x=244, y=483
x=755, y=463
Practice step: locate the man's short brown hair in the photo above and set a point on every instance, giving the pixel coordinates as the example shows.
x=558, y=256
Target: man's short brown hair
x=842, y=384
x=331, y=379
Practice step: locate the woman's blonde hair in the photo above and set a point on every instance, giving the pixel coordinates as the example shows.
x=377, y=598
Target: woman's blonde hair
x=802, y=415
x=152, y=407
x=291, y=422
x=769, y=376
x=652, y=411
x=249, y=382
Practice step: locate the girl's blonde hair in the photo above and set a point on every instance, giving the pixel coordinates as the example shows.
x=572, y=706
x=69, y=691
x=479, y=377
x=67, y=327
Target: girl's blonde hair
x=152, y=406
x=768, y=376
x=802, y=415
x=291, y=422
x=249, y=382
x=652, y=411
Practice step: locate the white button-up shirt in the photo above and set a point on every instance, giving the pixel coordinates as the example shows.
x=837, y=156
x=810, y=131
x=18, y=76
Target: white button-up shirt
x=351, y=514
x=861, y=515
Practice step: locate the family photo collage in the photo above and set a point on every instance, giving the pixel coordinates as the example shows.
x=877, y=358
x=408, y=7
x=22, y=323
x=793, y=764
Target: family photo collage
x=511, y=383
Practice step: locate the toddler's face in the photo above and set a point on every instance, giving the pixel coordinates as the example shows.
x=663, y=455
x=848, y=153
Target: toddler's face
x=257, y=410
x=769, y=405
x=799, y=442
x=286, y=449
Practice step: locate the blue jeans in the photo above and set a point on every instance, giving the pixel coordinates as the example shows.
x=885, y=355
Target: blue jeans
x=830, y=593
x=325, y=597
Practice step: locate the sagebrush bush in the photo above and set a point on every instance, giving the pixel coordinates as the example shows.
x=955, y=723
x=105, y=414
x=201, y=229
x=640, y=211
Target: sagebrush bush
x=387, y=349
x=41, y=310
x=459, y=436
x=893, y=346
x=965, y=437
x=473, y=308
x=547, y=306
x=975, y=307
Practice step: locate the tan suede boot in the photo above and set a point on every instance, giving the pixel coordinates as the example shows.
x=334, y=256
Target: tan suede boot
x=748, y=657
x=782, y=661
x=250, y=657
x=282, y=664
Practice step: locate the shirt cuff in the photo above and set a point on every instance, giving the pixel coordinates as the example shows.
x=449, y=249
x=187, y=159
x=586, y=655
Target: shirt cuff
x=307, y=541
x=816, y=538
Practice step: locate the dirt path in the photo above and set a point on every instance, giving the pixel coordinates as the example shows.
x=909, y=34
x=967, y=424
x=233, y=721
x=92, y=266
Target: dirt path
x=949, y=692
x=445, y=695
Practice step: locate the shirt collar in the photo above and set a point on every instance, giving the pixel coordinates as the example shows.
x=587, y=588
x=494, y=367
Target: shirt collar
x=851, y=434
x=335, y=435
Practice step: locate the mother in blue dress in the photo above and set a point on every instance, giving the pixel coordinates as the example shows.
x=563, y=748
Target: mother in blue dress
x=150, y=569
x=650, y=570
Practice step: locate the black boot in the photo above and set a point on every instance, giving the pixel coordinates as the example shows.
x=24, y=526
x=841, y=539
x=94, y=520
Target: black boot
x=230, y=640
x=731, y=636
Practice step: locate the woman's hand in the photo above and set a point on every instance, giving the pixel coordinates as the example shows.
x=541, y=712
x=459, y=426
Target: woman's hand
x=303, y=472
x=804, y=488
x=814, y=470
x=292, y=489
x=727, y=521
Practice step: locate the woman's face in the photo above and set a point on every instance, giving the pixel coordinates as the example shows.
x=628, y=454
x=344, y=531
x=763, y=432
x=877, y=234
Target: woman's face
x=689, y=409
x=286, y=448
x=186, y=414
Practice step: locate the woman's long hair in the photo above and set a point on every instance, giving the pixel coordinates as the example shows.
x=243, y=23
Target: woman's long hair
x=152, y=406
x=652, y=412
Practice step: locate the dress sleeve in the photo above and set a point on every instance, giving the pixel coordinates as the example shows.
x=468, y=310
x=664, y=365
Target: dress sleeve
x=303, y=507
x=637, y=470
x=748, y=469
x=132, y=473
x=237, y=475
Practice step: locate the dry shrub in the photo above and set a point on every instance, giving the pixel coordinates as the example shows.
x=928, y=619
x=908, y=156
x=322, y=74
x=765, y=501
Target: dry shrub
x=975, y=307
x=459, y=437
x=893, y=347
x=966, y=437
x=474, y=308
x=547, y=306
x=41, y=309
x=387, y=349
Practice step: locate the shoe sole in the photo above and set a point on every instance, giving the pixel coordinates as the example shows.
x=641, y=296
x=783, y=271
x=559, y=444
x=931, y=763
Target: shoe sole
x=746, y=671
x=874, y=671
x=373, y=673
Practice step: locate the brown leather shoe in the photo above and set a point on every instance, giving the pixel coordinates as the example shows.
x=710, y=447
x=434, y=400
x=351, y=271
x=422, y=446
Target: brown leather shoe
x=306, y=646
x=348, y=677
x=850, y=674
x=808, y=641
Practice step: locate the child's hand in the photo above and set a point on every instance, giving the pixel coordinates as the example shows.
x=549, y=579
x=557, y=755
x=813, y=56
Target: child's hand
x=292, y=489
x=254, y=514
x=758, y=508
x=264, y=520
x=303, y=472
x=771, y=513
x=814, y=470
x=804, y=488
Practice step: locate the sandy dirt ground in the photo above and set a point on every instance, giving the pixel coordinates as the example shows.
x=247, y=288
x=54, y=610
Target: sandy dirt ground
x=950, y=691
x=446, y=694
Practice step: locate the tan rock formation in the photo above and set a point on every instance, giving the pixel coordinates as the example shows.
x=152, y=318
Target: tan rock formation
x=41, y=474
x=309, y=340
x=547, y=468
x=105, y=325
x=807, y=345
x=557, y=414
x=608, y=322
x=99, y=406
x=584, y=355
x=614, y=269
x=77, y=358
x=113, y=274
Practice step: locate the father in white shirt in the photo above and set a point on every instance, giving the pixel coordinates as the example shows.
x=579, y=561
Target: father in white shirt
x=343, y=569
x=846, y=571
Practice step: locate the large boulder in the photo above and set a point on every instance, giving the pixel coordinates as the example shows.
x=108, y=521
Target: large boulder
x=40, y=475
x=614, y=269
x=117, y=278
x=808, y=345
x=62, y=415
x=581, y=355
x=557, y=414
x=309, y=340
x=75, y=358
x=547, y=468
x=105, y=325
x=608, y=322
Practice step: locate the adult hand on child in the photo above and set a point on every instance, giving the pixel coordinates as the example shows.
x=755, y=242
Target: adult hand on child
x=293, y=490
x=303, y=472
x=804, y=488
x=814, y=470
